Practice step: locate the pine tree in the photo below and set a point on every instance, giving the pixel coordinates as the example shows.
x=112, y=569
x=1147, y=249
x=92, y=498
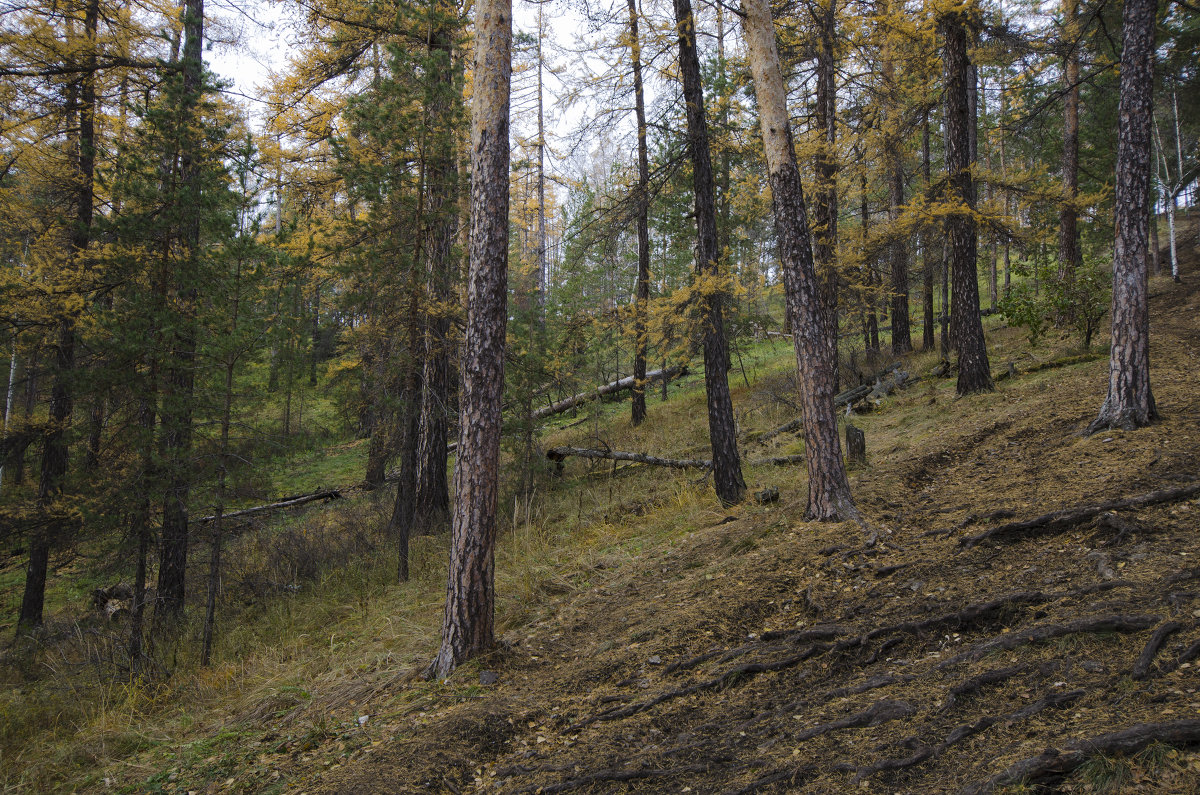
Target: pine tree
x=828, y=489
x=1130, y=403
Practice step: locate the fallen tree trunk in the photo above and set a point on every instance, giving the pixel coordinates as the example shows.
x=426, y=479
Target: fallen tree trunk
x=557, y=454
x=611, y=388
x=288, y=502
x=1059, y=520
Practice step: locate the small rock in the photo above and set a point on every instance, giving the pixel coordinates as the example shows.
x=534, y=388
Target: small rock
x=362, y=719
x=655, y=660
x=488, y=677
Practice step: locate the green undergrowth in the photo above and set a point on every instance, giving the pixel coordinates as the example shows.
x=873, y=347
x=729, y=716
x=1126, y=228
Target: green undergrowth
x=314, y=632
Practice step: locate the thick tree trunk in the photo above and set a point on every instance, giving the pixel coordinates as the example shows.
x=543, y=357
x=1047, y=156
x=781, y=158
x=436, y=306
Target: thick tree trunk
x=638, y=412
x=1130, y=403
x=727, y=470
x=467, y=625
x=828, y=489
x=180, y=375
x=974, y=373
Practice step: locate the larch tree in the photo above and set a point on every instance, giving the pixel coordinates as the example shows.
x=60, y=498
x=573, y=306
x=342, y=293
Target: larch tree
x=467, y=624
x=829, y=495
x=1130, y=403
x=642, y=211
x=727, y=468
x=966, y=324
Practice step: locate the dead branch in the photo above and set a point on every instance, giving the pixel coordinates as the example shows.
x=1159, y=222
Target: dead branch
x=321, y=495
x=611, y=388
x=1061, y=520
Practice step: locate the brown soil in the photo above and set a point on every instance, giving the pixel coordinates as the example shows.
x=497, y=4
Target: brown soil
x=764, y=655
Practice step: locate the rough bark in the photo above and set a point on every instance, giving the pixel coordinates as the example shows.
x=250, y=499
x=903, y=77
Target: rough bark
x=825, y=211
x=928, y=338
x=467, y=624
x=432, y=498
x=828, y=489
x=1130, y=403
x=638, y=412
x=974, y=371
x=727, y=470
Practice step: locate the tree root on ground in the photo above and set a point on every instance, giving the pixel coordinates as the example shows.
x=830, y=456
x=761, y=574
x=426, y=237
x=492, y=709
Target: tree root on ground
x=1141, y=668
x=1053, y=764
x=1062, y=520
x=960, y=733
x=1049, y=631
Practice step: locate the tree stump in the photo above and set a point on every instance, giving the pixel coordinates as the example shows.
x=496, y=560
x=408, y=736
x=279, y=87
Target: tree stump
x=856, y=446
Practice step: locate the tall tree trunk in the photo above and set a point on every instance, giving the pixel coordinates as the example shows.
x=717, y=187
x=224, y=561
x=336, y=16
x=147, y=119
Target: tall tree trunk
x=974, y=373
x=467, y=625
x=825, y=211
x=1070, y=256
x=180, y=375
x=928, y=338
x=727, y=468
x=828, y=489
x=55, y=455
x=1130, y=403
x=432, y=501
x=638, y=414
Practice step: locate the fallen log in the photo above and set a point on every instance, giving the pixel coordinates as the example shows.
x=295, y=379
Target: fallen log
x=611, y=388
x=1055, y=764
x=1061, y=520
x=558, y=454
x=288, y=502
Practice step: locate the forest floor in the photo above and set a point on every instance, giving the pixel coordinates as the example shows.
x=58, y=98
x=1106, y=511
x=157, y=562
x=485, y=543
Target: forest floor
x=761, y=653
x=693, y=649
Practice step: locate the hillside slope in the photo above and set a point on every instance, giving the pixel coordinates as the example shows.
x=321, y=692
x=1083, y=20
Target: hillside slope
x=765, y=654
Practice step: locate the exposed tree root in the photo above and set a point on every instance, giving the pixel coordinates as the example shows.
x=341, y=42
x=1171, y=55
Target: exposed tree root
x=613, y=775
x=1053, y=764
x=968, y=616
x=1061, y=520
x=977, y=683
x=1141, y=668
x=746, y=669
x=791, y=636
x=1049, y=631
